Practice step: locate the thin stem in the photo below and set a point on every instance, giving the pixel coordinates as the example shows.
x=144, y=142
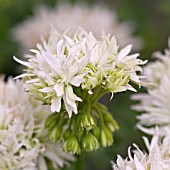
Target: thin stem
x=98, y=94
x=98, y=111
x=80, y=162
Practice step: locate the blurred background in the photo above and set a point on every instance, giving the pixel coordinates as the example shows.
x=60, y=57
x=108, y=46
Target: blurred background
x=151, y=22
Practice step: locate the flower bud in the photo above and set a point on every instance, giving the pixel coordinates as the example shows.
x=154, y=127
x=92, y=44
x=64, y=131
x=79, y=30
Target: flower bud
x=79, y=133
x=89, y=142
x=106, y=138
x=107, y=117
x=72, y=145
x=51, y=121
x=96, y=131
x=112, y=126
x=86, y=121
x=55, y=133
x=67, y=133
x=110, y=123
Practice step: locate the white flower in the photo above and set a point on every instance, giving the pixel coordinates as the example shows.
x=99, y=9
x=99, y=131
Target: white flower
x=155, y=70
x=66, y=16
x=59, y=71
x=155, y=103
x=22, y=121
x=156, y=158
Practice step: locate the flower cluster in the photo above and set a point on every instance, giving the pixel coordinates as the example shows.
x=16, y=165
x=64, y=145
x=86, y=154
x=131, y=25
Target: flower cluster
x=99, y=19
x=22, y=136
x=156, y=158
x=155, y=103
x=71, y=72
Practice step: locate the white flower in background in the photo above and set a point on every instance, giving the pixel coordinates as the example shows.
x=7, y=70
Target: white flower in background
x=64, y=16
x=155, y=70
x=68, y=63
x=22, y=121
x=155, y=103
x=156, y=158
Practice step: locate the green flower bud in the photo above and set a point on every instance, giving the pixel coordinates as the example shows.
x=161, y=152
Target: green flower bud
x=110, y=123
x=55, y=133
x=112, y=126
x=67, y=133
x=107, y=117
x=51, y=121
x=89, y=142
x=85, y=121
x=79, y=133
x=72, y=145
x=96, y=131
x=106, y=138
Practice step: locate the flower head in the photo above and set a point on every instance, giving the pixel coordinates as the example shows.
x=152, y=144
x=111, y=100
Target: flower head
x=60, y=70
x=70, y=73
x=156, y=158
x=155, y=103
x=22, y=141
x=66, y=16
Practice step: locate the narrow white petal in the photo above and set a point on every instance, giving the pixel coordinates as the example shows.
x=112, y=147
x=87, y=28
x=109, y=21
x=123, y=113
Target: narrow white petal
x=56, y=104
x=24, y=75
x=46, y=89
x=22, y=62
x=42, y=164
x=53, y=157
x=124, y=52
x=71, y=95
x=33, y=80
x=139, y=166
x=59, y=88
x=77, y=80
x=69, y=109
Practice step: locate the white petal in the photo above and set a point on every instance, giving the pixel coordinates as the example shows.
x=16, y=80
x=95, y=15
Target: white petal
x=46, y=89
x=69, y=109
x=59, y=88
x=71, y=95
x=22, y=62
x=124, y=52
x=54, y=157
x=56, y=104
x=33, y=80
x=77, y=80
x=71, y=102
x=42, y=163
x=24, y=75
x=139, y=166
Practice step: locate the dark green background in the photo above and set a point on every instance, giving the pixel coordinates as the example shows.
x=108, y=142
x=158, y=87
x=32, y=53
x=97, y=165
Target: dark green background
x=152, y=18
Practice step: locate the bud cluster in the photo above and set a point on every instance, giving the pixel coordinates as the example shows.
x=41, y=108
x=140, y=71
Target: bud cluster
x=90, y=129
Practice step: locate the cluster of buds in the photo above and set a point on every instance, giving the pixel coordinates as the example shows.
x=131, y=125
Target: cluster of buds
x=71, y=72
x=90, y=129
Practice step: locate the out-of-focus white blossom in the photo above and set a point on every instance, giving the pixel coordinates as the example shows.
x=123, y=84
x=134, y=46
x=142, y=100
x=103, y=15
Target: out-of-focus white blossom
x=69, y=63
x=156, y=158
x=22, y=144
x=155, y=103
x=64, y=16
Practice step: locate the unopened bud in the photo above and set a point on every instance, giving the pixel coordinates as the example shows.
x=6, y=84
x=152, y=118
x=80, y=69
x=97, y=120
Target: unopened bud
x=106, y=138
x=51, y=121
x=55, y=133
x=89, y=142
x=67, y=133
x=72, y=145
x=96, y=131
x=112, y=126
x=86, y=121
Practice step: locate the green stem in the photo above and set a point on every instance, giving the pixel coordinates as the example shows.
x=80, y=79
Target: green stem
x=98, y=111
x=98, y=95
x=80, y=162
